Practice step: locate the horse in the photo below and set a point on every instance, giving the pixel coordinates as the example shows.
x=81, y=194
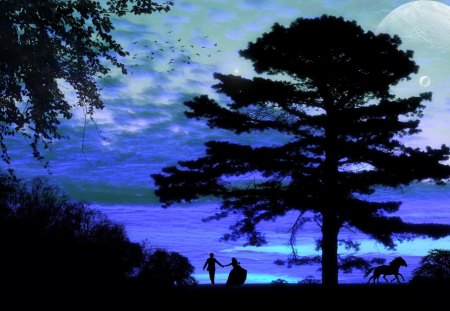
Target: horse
x=391, y=269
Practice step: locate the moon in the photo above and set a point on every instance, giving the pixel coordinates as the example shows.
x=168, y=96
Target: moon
x=424, y=81
x=424, y=28
x=420, y=24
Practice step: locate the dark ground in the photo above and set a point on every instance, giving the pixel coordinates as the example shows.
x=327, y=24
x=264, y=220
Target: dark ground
x=246, y=297
x=301, y=297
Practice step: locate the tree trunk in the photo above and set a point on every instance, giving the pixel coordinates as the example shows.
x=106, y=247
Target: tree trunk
x=330, y=228
x=330, y=249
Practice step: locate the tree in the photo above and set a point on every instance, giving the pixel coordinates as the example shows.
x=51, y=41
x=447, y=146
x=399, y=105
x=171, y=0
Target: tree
x=324, y=86
x=45, y=43
x=434, y=267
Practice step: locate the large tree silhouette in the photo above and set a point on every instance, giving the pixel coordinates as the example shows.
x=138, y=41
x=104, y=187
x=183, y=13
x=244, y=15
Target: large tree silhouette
x=48, y=41
x=326, y=90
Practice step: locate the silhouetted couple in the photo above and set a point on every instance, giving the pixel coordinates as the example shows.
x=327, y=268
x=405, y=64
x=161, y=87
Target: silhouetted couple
x=237, y=275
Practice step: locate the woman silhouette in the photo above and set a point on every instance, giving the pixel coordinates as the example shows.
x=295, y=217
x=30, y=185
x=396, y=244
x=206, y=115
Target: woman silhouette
x=237, y=275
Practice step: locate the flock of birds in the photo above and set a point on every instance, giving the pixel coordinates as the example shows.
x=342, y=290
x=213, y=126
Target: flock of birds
x=172, y=52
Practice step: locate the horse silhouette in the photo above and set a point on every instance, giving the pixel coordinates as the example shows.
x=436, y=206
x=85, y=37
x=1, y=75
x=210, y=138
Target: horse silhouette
x=391, y=269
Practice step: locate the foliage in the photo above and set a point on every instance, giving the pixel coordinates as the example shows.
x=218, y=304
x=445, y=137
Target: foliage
x=46, y=236
x=434, y=267
x=279, y=282
x=162, y=269
x=49, y=43
x=309, y=279
x=325, y=90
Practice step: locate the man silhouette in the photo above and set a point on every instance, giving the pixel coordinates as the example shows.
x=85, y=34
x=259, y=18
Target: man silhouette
x=211, y=264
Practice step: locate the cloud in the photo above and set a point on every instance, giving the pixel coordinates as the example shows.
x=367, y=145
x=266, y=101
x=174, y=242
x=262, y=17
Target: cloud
x=220, y=16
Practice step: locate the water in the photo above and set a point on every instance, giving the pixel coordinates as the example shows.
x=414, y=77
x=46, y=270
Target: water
x=180, y=229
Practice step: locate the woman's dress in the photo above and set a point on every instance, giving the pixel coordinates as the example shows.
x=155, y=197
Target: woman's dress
x=237, y=276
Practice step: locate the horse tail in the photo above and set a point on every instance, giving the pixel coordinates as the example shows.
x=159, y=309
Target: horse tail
x=368, y=272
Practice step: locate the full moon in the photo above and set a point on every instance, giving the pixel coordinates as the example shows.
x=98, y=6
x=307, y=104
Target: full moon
x=424, y=81
x=420, y=24
x=424, y=28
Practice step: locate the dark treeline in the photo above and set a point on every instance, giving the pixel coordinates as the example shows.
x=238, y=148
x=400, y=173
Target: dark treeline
x=52, y=243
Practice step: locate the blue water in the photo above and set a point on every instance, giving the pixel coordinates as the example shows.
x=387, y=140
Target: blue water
x=181, y=229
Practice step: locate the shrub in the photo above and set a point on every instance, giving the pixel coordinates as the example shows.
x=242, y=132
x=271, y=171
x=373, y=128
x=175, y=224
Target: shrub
x=49, y=242
x=309, y=279
x=434, y=267
x=46, y=239
x=163, y=269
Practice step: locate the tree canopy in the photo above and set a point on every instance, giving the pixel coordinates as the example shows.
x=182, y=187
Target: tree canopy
x=325, y=87
x=48, y=42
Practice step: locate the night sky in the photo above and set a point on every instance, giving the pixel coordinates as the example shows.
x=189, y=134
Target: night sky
x=173, y=57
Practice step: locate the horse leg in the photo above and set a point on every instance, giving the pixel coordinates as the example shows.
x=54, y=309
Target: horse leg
x=377, y=277
x=384, y=277
x=395, y=278
x=401, y=276
x=372, y=278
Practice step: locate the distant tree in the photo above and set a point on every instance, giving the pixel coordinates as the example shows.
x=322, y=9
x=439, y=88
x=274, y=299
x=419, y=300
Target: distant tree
x=340, y=129
x=163, y=270
x=47, y=42
x=434, y=267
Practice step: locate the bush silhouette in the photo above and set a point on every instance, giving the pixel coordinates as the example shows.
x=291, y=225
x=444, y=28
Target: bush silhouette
x=48, y=240
x=163, y=269
x=433, y=268
x=50, y=244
